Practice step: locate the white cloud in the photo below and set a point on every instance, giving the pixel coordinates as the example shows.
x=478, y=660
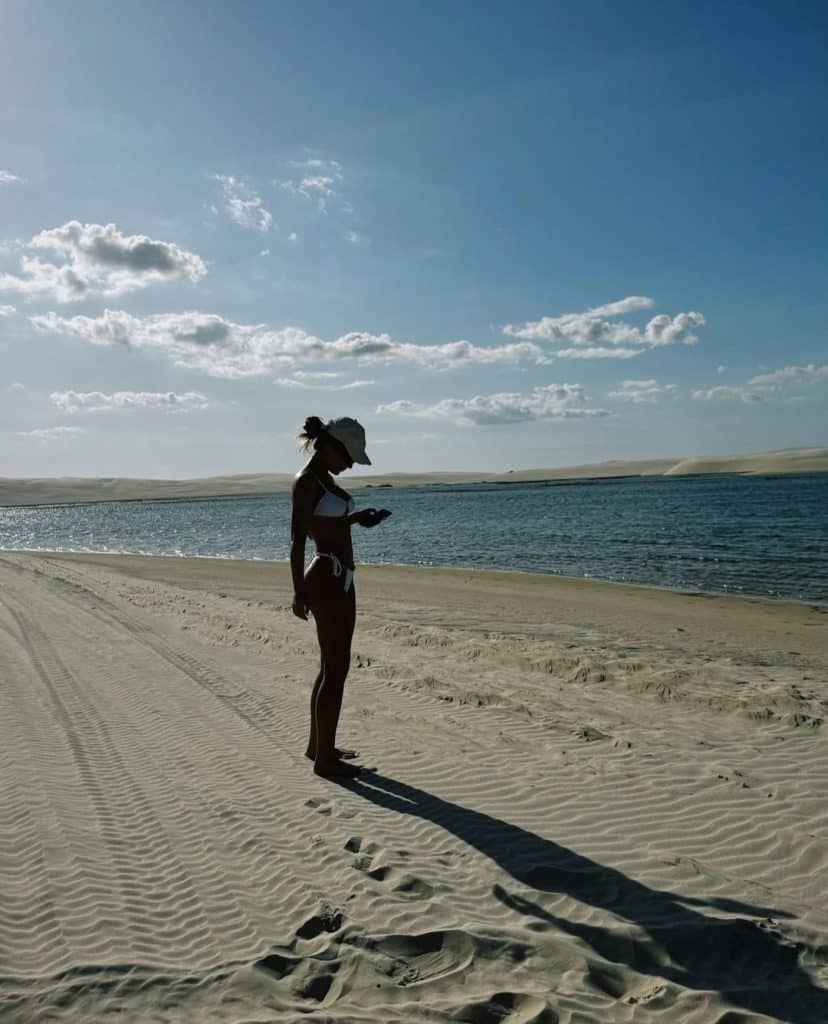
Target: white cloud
x=666, y=330
x=17, y=386
x=6, y=177
x=244, y=205
x=590, y=335
x=40, y=278
x=7, y=310
x=293, y=237
x=221, y=348
x=639, y=391
x=99, y=259
x=628, y=305
x=577, y=329
x=789, y=375
x=720, y=368
x=319, y=180
x=264, y=252
x=53, y=433
x=293, y=382
x=549, y=402
x=725, y=392
x=598, y=352
x=97, y=401
x=112, y=327
x=774, y=385
x=354, y=237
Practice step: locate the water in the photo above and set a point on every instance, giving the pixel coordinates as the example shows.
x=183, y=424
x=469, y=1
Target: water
x=749, y=535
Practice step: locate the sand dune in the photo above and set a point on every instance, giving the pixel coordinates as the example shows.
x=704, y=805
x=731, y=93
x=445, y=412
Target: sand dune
x=801, y=460
x=586, y=802
x=65, y=490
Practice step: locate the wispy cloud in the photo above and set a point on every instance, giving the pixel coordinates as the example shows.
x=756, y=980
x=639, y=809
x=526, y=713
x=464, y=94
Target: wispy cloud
x=791, y=375
x=548, y=402
x=100, y=259
x=621, y=307
x=244, y=205
x=221, y=348
x=724, y=391
x=98, y=401
x=590, y=335
x=302, y=385
x=641, y=391
x=778, y=384
x=599, y=352
x=53, y=433
x=7, y=310
x=7, y=178
x=318, y=180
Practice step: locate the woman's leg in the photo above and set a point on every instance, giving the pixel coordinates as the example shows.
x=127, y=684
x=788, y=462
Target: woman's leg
x=335, y=617
x=317, y=683
x=310, y=753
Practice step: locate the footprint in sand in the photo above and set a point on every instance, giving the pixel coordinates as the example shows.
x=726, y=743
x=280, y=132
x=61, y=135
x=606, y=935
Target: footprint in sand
x=320, y=804
x=416, y=959
x=370, y=862
x=508, y=1008
x=327, y=919
x=410, y=961
x=310, y=978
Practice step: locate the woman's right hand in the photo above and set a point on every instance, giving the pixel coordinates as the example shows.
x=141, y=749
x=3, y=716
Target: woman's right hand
x=300, y=604
x=370, y=516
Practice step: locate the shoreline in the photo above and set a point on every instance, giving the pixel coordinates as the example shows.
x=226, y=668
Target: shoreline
x=48, y=491
x=558, y=481
x=531, y=601
x=597, y=581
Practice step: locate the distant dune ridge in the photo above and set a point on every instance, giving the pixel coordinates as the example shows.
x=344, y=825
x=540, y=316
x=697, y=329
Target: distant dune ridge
x=69, y=490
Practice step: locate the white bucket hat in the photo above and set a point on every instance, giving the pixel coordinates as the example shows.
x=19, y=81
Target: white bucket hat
x=351, y=436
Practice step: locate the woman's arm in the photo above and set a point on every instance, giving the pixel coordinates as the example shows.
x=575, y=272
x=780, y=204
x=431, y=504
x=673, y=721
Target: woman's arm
x=299, y=522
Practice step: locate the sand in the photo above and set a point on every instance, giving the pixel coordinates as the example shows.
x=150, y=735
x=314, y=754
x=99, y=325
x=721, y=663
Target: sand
x=69, y=490
x=584, y=802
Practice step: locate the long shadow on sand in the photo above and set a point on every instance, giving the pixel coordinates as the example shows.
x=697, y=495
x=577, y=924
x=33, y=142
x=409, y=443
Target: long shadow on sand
x=743, y=957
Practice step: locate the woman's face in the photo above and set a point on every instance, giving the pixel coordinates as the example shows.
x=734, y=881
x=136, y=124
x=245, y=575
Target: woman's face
x=337, y=457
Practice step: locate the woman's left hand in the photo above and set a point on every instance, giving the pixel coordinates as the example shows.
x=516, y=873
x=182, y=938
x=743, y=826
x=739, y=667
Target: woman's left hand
x=371, y=516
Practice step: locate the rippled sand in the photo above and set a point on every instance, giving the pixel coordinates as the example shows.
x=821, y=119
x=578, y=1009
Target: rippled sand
x=584, y=802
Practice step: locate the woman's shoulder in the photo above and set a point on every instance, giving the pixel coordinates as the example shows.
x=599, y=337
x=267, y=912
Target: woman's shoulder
x=305, y=482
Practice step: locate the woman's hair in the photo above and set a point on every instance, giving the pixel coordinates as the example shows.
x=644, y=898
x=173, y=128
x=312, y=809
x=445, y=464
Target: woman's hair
x=313, y=429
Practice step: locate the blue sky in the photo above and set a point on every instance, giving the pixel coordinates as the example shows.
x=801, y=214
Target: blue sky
x=501, y=235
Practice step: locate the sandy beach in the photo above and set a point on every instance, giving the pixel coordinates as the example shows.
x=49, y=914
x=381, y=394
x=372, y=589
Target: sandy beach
x=582, y=801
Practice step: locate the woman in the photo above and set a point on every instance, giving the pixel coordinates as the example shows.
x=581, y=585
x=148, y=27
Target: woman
x=324, y=512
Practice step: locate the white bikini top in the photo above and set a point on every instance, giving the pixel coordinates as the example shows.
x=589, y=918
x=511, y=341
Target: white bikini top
x=331, y=505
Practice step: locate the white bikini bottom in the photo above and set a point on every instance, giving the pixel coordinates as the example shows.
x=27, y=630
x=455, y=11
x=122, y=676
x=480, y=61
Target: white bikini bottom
x=338, y=568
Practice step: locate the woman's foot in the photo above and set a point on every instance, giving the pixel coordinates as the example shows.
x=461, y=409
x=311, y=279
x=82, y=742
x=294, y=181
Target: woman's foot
x=335, y=768
x=344, y=754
